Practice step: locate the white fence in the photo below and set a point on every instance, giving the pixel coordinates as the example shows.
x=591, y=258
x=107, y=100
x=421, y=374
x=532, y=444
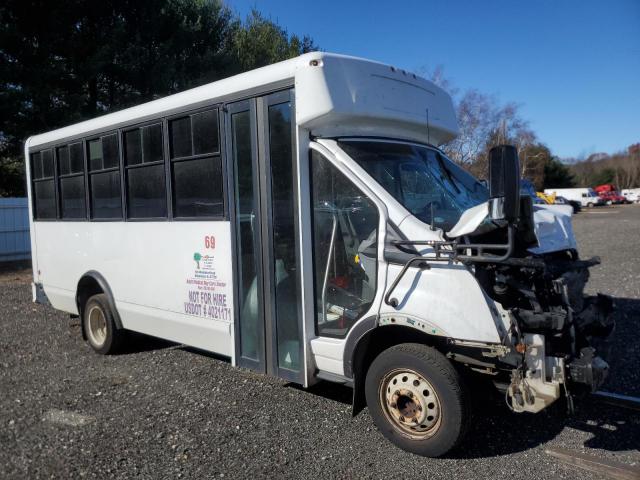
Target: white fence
x=14, y=229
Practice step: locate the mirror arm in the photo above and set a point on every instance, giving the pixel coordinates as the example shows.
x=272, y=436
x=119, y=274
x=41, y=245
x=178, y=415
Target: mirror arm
x=481, y=257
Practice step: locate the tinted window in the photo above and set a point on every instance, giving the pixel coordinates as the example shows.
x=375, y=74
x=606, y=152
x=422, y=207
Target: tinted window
x=110, y=151
x=71, y=182
x=72, y=199
x=103, y=152
x=76, y=157
x=197, y=182
x=195, y=134
x=180, y=137
x=45, y=199
x=104, y=186
x=95, y=154
x=152, y=142
x=145, y=178
x=132, y=147
x=197, y=187
x=64, y=167
x=105, y=195
x=146, y=193
x=43, y=187
x=47, y=163
x=143, y=145
x=205, y=132
x=36, y=166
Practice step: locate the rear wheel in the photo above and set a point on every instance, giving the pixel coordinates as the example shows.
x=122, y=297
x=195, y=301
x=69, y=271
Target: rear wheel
x=417, y=399
x=99, y=326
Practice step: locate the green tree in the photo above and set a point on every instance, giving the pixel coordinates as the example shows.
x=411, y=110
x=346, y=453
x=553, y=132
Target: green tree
x=606, y=175
x=557, y=175
x=63, y=62
x=258, y=42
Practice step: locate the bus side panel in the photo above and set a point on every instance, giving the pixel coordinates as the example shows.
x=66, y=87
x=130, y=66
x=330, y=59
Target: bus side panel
x=170, y=279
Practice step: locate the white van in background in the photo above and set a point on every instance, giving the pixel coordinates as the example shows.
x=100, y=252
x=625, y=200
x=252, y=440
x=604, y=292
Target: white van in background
x=631, y=194
x=586, y=196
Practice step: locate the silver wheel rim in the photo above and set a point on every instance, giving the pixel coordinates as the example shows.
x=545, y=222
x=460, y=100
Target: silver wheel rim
x=97, y=324
x=410, y=403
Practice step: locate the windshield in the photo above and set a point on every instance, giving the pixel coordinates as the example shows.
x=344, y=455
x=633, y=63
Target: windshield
x=423, y=180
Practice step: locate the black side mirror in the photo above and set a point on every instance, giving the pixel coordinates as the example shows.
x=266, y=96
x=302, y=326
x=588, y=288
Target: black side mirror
x=504, y=182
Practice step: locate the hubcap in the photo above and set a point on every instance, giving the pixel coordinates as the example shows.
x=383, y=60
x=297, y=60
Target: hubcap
x=97, y=330
x=410, y=403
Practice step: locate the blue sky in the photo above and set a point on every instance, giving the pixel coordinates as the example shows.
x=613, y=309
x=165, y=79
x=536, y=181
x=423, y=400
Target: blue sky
x=573, y=65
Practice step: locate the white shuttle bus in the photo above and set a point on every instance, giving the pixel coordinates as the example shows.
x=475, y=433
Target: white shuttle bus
x=301, y=220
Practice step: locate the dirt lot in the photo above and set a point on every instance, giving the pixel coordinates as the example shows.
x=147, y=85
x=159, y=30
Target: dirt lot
x=166, y=411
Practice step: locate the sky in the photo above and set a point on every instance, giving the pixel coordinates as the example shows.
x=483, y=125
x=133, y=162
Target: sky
x=573, y=66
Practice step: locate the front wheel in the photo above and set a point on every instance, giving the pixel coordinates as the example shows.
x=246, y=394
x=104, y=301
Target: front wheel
x=417, y=399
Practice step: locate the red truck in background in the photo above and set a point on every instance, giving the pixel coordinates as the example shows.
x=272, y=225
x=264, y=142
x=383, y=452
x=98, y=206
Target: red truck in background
x=609, y=194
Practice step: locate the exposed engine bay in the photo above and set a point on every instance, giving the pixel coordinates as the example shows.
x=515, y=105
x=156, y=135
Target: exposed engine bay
x=557, y=334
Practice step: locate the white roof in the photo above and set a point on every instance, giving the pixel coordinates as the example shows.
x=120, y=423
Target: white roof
x=335, y=95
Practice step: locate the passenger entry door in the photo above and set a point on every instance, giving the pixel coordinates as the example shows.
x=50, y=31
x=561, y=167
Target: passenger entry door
x=264, y=209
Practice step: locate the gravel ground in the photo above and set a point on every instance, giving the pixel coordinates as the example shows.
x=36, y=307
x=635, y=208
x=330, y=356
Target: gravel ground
x=166, y=411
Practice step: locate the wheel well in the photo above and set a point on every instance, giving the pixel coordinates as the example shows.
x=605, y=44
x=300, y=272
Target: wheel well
x=375, y=342
x=87, y=287
x=91, y=284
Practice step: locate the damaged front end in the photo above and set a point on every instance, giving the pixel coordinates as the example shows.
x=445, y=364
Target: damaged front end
x=525, y=259
x=559, y=335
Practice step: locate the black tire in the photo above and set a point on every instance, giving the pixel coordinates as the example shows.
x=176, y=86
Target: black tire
x=111, y=339
x=590, y=205
x=453, y=407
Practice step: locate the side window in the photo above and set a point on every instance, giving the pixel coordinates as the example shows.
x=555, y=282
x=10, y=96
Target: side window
x=144, y=172
x=196, y=165
x=71, y=180
x=44, y=192
x=104, y=177
x=345, y=244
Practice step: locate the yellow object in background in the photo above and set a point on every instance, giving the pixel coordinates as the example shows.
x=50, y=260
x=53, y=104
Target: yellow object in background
x=549, y=199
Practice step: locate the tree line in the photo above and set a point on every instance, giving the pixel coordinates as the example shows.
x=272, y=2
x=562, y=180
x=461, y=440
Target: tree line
x=64, y=62
x=621, y=168
x=484, y=122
